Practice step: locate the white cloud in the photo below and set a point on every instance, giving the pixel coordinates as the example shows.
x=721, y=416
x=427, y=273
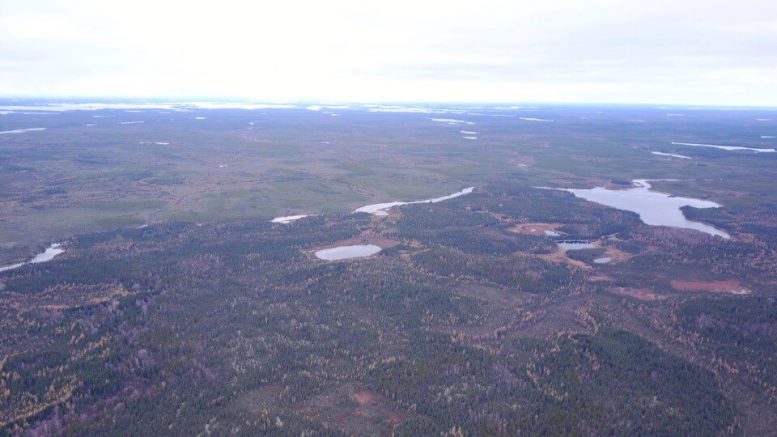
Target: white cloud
x=691, y=51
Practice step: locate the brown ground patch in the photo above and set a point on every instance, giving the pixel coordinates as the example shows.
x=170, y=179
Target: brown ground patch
x=375, y=406
x=534, y=228
x=345, y=407
x=560, y=257
x=617, y=255
x=730, y=286
x=599, y=278
x=363, y=398
x=367, y=413
x=638, y=293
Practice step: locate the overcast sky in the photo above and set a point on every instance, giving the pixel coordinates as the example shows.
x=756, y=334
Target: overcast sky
x=656, y=51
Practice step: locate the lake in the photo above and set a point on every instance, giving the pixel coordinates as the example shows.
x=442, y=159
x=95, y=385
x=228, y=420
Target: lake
x=381, y=209
x=654, y=208
x=288, y=219
x=45, y=256
x=347, y=252
x=727, y=148
x=575, y=245
x=671, y=155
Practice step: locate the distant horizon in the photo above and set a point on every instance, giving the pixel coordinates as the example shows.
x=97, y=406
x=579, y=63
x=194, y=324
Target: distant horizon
x=312, y=102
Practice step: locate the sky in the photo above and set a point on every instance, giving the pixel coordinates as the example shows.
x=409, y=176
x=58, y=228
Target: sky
x=692, y=52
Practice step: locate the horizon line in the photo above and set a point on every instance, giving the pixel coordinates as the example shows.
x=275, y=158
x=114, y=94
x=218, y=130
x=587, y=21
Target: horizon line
x=189, y=99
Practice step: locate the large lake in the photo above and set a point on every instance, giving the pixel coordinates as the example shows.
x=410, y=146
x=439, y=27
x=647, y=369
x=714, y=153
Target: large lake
x=654, y=208
x=346, y=252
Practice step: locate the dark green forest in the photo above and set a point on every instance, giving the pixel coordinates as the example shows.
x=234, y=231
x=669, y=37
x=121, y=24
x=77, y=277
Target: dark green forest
x=470, y=321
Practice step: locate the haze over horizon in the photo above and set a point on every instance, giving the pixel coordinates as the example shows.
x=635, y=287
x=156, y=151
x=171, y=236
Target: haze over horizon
x=692, y=53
